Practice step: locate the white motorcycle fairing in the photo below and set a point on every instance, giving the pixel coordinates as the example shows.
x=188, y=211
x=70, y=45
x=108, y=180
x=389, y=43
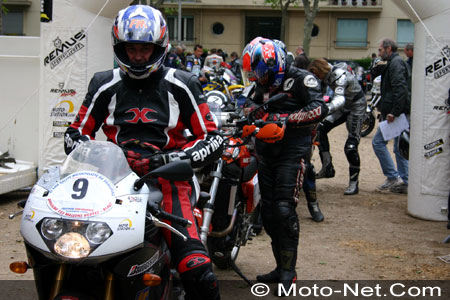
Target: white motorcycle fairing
x=99, y=190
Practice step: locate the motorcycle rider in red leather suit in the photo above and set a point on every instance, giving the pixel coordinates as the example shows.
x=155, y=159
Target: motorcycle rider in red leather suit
x=145, y=107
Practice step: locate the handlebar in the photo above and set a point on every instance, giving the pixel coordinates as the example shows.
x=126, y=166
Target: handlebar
x=157, y=212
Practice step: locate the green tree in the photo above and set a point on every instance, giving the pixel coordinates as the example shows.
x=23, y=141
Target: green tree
x=153, y=3
x=3, y=10
x=311, y=8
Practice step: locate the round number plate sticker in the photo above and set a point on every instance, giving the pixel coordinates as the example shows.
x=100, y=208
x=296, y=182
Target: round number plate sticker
x=82, y=195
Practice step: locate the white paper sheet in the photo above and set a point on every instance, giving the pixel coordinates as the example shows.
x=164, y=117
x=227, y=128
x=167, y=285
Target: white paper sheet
x=395, y=128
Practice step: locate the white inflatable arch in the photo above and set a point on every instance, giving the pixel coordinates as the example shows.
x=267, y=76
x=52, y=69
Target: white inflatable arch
x=429, y=157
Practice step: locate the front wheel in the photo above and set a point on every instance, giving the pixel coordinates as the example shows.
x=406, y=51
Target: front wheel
x=368, y=124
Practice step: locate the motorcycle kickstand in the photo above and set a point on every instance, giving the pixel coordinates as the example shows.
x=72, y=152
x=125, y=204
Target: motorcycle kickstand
x=236, y=269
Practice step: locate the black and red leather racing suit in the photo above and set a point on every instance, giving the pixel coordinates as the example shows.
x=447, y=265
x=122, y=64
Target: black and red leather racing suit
x=280, y=162
x=155, y=110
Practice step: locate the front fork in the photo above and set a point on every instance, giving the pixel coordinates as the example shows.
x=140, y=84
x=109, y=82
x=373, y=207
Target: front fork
x=59, y=278
x=208, y=210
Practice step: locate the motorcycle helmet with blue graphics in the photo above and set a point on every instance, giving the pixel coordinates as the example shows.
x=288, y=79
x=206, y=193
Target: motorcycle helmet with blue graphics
x=246, y=59
x=140, y=24
x=268, y=63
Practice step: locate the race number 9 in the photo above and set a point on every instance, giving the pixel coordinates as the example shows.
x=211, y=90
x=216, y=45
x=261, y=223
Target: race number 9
x=80, y=186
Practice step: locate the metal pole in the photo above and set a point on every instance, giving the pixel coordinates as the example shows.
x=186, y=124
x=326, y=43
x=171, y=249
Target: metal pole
x=179, y=21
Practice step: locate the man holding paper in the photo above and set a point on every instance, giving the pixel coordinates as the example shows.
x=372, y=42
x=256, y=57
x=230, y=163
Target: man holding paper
x=395, y=101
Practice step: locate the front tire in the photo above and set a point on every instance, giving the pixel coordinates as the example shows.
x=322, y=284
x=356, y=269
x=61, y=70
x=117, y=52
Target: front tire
x=368, y=124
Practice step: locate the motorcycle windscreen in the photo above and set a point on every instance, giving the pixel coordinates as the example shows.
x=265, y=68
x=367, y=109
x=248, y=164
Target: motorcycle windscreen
x=89, y=174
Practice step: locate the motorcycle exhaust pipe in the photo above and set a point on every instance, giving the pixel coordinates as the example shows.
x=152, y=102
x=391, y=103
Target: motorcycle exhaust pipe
x=223, y=233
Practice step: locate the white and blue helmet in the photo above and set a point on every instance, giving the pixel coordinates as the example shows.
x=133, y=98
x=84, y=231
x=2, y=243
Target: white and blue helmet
x=140, y=24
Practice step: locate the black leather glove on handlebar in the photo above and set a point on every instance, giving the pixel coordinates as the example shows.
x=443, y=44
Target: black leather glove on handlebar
x=144, y=157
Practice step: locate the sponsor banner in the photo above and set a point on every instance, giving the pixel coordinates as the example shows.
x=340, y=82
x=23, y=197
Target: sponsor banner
x=435, y=178
x=64, y=64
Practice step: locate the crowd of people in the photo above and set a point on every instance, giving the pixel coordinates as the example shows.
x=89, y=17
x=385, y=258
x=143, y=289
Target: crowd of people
x=155, y=77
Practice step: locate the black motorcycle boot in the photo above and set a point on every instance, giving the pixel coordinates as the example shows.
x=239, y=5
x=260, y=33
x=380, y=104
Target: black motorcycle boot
x=273, y=276
x=327, y=170
x=200, y=284
x=315, y=212
x=313, y=205
x=288, y=276
x=353, y=188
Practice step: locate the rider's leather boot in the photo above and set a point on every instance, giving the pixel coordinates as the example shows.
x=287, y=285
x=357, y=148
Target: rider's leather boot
x=313, y=204
x=327, y=170
x=200, y=284
x=288, y=276
x=273, y=276
x=315, y=212
x=353, y=188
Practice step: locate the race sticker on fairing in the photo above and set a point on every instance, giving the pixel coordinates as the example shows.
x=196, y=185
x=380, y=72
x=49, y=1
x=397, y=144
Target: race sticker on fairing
x=82, y=195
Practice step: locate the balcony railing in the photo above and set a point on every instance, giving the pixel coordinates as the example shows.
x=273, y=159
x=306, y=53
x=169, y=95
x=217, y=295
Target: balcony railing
x=357, y=3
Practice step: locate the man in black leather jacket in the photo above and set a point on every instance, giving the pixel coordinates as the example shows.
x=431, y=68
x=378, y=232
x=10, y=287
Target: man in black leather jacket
x=145, y=107
x=279, y=162
x=395, y=100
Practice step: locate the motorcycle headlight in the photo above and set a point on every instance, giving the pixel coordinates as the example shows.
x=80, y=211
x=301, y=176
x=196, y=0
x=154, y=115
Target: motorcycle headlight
x=51, y=228
x=73, y=239
x=97, y=233
x=72, y=245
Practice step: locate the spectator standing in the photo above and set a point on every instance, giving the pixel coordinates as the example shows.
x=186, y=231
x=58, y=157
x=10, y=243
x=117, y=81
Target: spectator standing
x=409, y=52
x=395, y=100
x=301, y=60
x=194, y=63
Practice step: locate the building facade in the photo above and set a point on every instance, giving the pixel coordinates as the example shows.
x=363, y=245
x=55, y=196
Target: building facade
x=343, y=29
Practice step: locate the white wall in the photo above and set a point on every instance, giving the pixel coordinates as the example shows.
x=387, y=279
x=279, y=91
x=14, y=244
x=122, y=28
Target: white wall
x=19, y=97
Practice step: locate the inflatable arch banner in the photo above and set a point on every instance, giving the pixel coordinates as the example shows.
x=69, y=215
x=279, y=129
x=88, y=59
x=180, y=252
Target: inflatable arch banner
x=429, y=157
x=75, y=43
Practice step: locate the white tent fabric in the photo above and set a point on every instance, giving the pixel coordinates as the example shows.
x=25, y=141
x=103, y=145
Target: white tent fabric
x=429, y=163
x=74, y=45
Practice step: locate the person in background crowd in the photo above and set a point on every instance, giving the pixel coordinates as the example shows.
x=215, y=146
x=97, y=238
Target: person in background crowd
x=348, y=106
x=145, y=107
x=194, y=63
x=279, y=163
x=182, y=53
x=236, y=66
x=213, y=60
x=409, y=52
x=301, y=60
x=223, y=54
x=173, y=60
x=395, y=100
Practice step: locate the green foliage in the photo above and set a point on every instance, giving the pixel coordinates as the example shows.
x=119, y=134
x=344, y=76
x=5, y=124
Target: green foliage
x=4, y=9
x=364, y=62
